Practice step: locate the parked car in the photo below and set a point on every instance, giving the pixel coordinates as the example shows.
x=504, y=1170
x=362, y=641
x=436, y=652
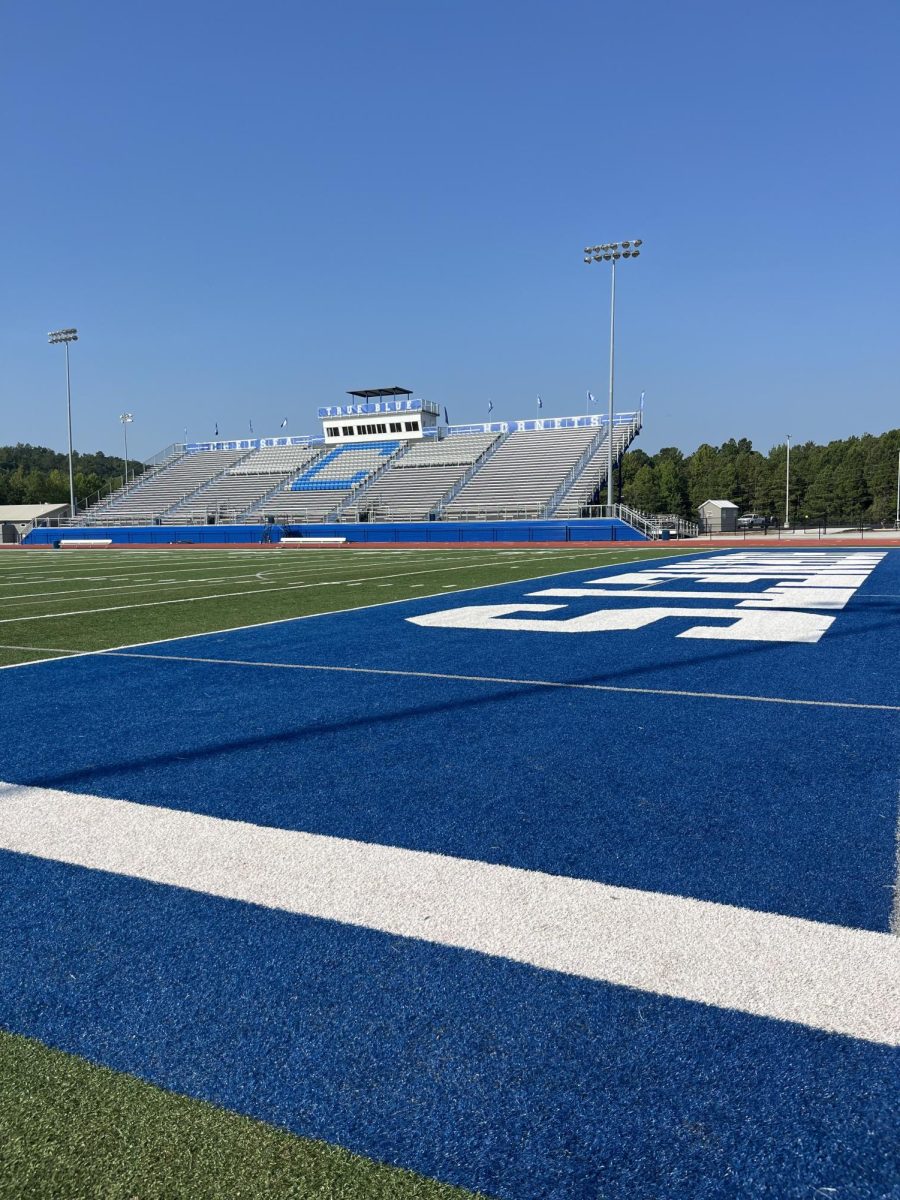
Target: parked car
x=753, y=521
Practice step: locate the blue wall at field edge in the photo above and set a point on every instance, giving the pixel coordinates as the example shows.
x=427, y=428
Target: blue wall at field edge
x=600, y=530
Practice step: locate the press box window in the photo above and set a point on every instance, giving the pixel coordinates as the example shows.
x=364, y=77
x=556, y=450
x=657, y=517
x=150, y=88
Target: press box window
x=348, y=431
x=412, y=426
x=396, y=426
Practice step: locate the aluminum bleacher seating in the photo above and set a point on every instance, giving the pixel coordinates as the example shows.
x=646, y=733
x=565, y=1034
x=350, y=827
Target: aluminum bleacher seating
x=593, y=476
x=150, y=497
x=416, y=481
x=231, y=495
x=332, y=479
x=520, y=478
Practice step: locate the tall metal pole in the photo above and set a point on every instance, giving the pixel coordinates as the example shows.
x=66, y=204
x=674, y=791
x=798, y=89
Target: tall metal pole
x=611, y=252
x=612, y=372
x=65, y=336
x=125, y=431
x=787, y=485
x=69, y=416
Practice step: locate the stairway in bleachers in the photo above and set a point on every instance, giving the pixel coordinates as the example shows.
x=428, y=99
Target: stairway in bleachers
x=593, y=475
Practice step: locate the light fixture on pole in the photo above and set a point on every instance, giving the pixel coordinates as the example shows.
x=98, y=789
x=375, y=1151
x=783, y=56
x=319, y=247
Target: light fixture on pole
x=611, y=252
x=787, y=484
x=64, y=336
x=126, y=419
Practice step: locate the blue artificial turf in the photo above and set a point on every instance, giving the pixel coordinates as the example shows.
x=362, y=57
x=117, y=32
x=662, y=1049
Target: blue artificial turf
x=478, y=1071
x=522, y=1083
x=783, y=808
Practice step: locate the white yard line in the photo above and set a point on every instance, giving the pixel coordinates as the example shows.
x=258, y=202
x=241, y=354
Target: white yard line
x=825, y=977
x=546, y=683
x=466, y=566
x=303, y=617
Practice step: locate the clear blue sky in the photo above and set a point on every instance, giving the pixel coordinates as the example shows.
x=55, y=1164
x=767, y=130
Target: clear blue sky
x=248, y=209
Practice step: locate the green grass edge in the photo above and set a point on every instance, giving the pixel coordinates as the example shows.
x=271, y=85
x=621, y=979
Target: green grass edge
x=72, y=1130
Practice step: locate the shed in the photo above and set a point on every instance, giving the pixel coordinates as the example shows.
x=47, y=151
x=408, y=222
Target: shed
x=718, y=516
x=17, y=519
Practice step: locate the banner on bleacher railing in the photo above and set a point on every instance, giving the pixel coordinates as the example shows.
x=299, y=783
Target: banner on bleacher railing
x=254, y=443
x=591, y=421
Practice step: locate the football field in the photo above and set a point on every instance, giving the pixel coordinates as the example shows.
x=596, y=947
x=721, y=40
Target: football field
x=534, y=873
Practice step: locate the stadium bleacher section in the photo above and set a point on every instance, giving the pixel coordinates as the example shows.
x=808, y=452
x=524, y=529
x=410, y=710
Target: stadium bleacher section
x=524, y=473
x=593, y=473
x=242, y=486
x=416, y=482
x=151, y=496
x=330, y=481
x=514, y=470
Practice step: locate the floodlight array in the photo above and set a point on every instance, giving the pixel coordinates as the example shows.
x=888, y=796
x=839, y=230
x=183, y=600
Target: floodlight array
x=613, y=251
x=62, y=335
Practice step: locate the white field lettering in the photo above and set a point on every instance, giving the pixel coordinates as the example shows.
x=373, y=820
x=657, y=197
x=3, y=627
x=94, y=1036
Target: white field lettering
x=805, y=586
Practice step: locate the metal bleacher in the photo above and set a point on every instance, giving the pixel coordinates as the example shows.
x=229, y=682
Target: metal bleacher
x=592, y=475
x=152, y=495
x=415, y=482
x=520, y=479
x=229, y=495
x=502, y=471
x=328, y=483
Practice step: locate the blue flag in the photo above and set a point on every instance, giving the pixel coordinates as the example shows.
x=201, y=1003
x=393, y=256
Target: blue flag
x=284, y=423
x=490, y=406
x=446, y=418
x=217, y=429
x=590, y=397
x=251, y=426
x=540, y=402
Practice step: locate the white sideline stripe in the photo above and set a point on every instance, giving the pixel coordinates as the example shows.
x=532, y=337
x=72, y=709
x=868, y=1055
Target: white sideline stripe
x=331, y=612
x=548, y=683
x=828, y=977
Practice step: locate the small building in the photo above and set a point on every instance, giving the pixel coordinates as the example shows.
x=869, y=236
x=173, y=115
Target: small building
x=718, y=516
x=17, y=519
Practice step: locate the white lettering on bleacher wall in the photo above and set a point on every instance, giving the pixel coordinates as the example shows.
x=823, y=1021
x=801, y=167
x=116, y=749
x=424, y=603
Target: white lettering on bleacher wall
x=818, y=580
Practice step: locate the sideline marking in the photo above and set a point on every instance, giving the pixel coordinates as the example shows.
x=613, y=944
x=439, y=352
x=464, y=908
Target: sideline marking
x=329, y=612
x=827, y=977
x=547, y=683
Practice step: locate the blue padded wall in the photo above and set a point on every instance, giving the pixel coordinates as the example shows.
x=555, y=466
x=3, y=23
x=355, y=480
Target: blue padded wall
x=412, y=531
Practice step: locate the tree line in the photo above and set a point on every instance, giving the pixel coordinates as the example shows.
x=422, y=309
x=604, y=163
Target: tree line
x=38, y=475
x=853, y=480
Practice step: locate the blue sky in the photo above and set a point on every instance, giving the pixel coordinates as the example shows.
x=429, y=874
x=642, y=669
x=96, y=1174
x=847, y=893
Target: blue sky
x=248, y=210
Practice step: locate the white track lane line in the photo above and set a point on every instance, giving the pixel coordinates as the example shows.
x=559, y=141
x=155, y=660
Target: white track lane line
x=547, y=683
x=827, y=977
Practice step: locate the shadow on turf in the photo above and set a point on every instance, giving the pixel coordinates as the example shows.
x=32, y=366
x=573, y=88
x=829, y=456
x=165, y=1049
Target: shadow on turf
x=502, y=693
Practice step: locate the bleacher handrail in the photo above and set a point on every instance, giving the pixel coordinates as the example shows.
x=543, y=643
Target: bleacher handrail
x=589, y=451
x=453, y=492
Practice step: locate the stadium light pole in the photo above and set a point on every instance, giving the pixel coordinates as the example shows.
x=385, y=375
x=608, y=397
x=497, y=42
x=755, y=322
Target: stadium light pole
x=787, y=484
x=126, y=419
x=63, y=337
x=611, y=252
